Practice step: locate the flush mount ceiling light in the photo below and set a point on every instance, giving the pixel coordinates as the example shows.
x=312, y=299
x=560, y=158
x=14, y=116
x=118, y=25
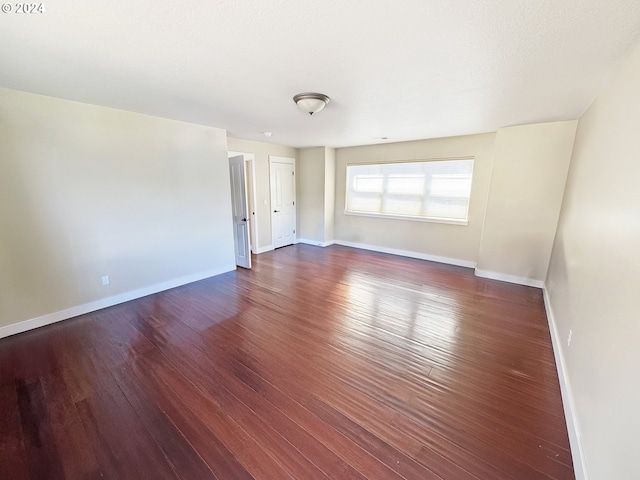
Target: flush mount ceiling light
x=311, y=102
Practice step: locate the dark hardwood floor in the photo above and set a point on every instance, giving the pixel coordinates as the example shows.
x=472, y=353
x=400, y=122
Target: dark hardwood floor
x=318, y=363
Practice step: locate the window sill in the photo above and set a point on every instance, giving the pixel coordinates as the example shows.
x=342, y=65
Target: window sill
x=449, y=221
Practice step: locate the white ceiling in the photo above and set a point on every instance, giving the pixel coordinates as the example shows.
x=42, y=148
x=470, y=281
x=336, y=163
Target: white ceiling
x=403, y=69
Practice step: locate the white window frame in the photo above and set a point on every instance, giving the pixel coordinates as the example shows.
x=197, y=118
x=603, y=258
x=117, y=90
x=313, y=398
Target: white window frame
x=418, y=218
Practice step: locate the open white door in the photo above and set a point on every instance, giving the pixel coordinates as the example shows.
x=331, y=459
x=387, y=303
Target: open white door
x=240, y=216
x=283, y=204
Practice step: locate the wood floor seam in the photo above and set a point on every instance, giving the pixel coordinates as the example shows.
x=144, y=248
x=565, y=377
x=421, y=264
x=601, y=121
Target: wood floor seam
x=319, y=363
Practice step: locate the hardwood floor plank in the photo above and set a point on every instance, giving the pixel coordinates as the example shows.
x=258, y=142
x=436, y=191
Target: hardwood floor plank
x=372, y=407
x=362, y=460
x=259, y=459
x=318, y=363
x=76, y=455
x=265, y=433
x=361, y=410
x=41, y=450
x=120, y=442
x=184, y=459
x=13, y=458
x=392, y=457
x=230, y=373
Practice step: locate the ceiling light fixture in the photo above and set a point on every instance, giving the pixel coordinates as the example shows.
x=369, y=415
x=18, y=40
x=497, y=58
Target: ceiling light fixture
x=311, y=102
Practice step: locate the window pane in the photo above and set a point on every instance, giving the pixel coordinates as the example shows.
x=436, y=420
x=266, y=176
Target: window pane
x=409, y=184
x=365, y=203
x=443, y=209
x=403, y=206
x=451, y=186
x=368, y=183
x=436, y=189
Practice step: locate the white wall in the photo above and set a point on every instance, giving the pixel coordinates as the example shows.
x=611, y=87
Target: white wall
x=87, y=191
x=594, y=278
x=261, y=152
x=452, y=243
x=530, y=165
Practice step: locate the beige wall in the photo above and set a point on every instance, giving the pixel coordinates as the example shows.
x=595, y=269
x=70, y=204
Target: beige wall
x=455, y=243
x=316, y=195
x=87, y=191
x=311, y=177
x=329, y=194
x=530, y=166
x=261, y=152
x=594, y=278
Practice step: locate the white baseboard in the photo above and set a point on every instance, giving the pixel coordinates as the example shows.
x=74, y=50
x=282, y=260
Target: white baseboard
x=315, y=243
x=529, y=282
x=573, y=428
x=407, y=253
x=268, y=248
x=67, y=313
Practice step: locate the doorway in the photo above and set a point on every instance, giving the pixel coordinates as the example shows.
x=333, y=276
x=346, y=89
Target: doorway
x=283, y=200
x=245, y=224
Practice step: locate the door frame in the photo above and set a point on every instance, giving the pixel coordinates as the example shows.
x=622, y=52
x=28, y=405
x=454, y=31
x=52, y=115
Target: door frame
x=250, y=186
x=240, y=207
x=292, y=161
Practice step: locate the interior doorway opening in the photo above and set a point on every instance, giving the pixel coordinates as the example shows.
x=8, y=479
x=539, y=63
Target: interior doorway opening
x=282, y=183
x=243, y=191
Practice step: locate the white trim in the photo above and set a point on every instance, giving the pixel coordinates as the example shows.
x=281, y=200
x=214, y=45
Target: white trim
x=277, y=159
x=243, y=239
x=407, y=253
x=67, y=313
x=315, y=243
x=233, y=153
x=268, y=248
x=426, y=194
x=290, y=161
x=503, y=277
x=412, y=218
x=568, y=403
x=252, y=214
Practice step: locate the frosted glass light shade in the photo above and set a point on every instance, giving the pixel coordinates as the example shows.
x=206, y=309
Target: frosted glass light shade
x=311, y=102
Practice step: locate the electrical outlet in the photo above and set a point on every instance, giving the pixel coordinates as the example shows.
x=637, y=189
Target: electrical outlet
x=569, y=338
x=105, y=280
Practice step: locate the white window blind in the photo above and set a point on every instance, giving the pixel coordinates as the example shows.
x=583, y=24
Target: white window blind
x=434, y=190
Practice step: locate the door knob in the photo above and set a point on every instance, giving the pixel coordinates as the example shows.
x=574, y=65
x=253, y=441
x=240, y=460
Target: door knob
x=276, y=211
x=244, y=219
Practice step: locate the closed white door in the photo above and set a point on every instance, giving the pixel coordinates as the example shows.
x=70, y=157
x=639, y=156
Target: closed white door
x=283, y=201
x=240, y=214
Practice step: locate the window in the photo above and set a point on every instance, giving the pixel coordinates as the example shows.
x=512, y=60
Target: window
x=434, y=190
